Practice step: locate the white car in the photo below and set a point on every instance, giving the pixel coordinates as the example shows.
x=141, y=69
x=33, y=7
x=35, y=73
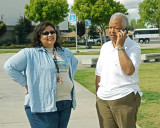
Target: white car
x=92, y=40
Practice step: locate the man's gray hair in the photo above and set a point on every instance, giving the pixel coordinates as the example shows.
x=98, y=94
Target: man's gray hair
x=120, y=16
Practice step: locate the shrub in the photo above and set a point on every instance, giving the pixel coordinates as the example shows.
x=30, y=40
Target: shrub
x=97, y=44
x=3, y=28
x=7, y=42
x=13, y=46
x=23, y=28
x=69, y=45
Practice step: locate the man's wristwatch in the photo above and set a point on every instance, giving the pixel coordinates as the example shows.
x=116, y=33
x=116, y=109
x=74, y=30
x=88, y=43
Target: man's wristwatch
x=122, y=48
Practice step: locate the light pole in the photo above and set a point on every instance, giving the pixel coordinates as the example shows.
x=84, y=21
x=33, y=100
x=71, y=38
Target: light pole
x=76, y=37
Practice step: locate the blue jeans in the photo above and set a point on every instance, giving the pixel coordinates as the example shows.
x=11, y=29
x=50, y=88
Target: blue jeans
x=58, y=119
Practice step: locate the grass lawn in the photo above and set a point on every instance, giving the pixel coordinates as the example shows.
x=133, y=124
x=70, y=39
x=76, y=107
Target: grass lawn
x=88, y=53
x=149, y=73
x=84, y=47
x=9, y=50
x=150, y=50
x=143, y=51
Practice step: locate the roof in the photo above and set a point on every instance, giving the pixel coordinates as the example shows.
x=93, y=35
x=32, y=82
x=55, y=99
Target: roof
x=71, y=34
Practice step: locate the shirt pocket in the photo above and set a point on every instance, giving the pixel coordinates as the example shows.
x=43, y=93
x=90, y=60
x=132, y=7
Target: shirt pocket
x=117, y=70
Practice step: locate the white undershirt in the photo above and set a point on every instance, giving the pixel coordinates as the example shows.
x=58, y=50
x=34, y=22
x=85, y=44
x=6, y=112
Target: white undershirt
x=114, y=83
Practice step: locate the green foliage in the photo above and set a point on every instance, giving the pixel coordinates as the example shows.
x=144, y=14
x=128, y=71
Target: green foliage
x=98, y=11
x=71, y=27
x=148, y=115
x=68, y=44
x=150, y=50
x=51, y=10
x=88, y=53
x=133, y=24
x=23, y=28
x=80, y=28
x=86, y=77
x=93, y=32
x=7, y=42
x=12, y=46
x=149, y=11
x=9, y=50
x=3, y=28
x=141, y=24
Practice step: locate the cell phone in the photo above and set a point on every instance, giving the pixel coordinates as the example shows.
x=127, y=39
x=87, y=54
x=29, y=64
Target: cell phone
x=126, y=30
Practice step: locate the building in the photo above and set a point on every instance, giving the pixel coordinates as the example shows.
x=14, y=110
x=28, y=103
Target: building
x=11, y=10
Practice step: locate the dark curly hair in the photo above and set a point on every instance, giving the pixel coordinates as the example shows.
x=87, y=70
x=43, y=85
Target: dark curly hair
x=38, y=31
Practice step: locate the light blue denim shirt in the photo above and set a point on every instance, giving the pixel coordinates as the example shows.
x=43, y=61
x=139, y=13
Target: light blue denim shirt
x=35, y=67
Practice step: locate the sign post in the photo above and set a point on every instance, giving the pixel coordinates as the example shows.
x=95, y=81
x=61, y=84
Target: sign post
x=73, y=19
x=87, y=24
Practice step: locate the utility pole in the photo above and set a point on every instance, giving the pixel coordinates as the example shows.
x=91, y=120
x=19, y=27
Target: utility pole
x=86, y=32
x=76, y=37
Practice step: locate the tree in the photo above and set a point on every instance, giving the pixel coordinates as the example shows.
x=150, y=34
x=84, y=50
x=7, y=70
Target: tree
x=23, y=28
x=93, y=32
x=80, y=28
x=3, y=28
x=132, y=24
x=51, y=10
x=71, y=27
x=140, y=24
x=149, y=11
x=98, y=11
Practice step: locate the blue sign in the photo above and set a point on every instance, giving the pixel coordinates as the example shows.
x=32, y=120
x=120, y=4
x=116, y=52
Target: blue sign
x=88, y=22
x=72, y=17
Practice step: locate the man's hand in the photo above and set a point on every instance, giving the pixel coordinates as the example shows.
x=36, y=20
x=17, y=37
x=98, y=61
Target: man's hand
x=121, y=37
x=97, y=82
x=26, y=89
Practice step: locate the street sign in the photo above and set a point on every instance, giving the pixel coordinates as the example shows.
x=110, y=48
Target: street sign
x=88, y=22
x=72, y=17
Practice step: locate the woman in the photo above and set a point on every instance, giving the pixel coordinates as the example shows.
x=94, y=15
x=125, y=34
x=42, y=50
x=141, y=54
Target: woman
x=46, y=70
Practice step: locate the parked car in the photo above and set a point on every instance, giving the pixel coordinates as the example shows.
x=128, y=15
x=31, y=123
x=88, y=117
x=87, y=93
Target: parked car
x=92, y=40
x=99, y=39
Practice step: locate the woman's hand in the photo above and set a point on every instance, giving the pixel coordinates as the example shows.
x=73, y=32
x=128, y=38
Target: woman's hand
x=26, y=89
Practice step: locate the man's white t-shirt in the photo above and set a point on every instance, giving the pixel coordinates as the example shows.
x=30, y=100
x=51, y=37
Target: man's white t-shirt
x=114, y=83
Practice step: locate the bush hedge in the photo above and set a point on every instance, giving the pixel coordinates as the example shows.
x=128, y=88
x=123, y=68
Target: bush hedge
x=11, y=45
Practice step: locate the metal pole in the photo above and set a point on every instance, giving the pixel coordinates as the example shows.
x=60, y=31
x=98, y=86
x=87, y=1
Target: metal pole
x=76, y=37
x=86, y=34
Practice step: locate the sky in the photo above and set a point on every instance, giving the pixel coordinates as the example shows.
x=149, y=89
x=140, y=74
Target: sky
x=11, y=10
x=131, y=5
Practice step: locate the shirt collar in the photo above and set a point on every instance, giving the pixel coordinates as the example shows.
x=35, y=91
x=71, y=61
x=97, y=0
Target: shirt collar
x=127, y=41
x=41, y=49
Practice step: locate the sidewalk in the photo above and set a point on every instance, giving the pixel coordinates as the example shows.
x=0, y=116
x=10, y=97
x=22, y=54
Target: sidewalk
x=85, y=115
x=12, y=114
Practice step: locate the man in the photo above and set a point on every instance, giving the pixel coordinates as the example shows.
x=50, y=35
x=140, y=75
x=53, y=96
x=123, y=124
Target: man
x=118, y=95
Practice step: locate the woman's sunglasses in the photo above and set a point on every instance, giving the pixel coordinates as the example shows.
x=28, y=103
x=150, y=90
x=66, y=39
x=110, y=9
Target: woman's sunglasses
x=47, y=33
